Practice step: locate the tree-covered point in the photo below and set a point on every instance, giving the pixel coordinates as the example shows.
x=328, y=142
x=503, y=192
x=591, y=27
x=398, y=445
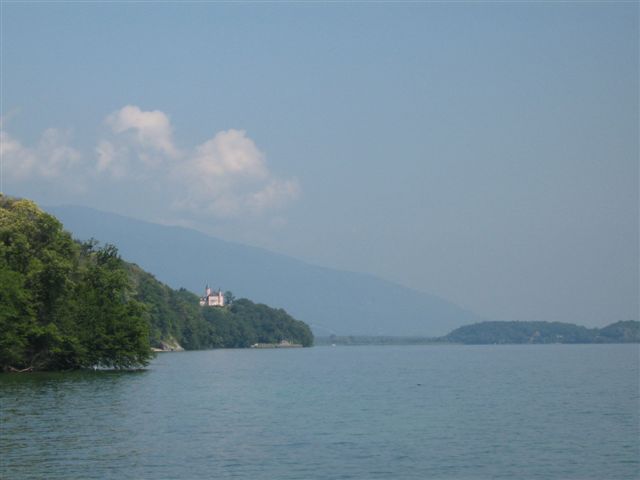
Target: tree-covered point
x=68, y=305
x=63, y=304
x=176, y=314
x=544, y=332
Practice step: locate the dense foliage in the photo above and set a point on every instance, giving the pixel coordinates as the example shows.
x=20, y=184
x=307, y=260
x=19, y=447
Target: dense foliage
x=544, y=332
x=175, y=314
x=63, y=304
x=68, y=305
x=626, y=331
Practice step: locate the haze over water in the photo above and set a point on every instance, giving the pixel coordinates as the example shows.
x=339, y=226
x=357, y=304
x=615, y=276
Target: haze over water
x=543, y=411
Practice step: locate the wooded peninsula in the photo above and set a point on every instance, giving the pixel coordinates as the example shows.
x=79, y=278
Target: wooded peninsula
x=67, y=305
x=505, y=333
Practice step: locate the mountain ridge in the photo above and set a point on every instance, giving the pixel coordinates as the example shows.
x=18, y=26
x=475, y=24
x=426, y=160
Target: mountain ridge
x=330, y=300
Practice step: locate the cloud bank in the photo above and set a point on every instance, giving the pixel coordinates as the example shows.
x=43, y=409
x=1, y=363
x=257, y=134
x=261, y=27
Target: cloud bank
x=225, y=176
x=228, y=175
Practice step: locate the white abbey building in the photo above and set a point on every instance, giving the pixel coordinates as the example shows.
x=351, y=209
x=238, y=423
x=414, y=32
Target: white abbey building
x=211, y=298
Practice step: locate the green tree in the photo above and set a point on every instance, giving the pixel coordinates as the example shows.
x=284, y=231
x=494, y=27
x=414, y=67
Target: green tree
x=63, y=305
x=111, y=324
x=229, y=298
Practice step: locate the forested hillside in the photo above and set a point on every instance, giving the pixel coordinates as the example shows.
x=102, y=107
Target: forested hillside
x=66, y=304
x=176, y=314
x=544, y=332
x=63, y=304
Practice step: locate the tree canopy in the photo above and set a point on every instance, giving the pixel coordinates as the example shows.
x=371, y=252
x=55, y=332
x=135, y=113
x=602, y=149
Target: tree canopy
x=176, y=314
x=63, y=304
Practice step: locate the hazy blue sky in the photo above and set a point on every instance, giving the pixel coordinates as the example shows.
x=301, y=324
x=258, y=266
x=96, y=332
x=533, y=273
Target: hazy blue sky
x=487, y=153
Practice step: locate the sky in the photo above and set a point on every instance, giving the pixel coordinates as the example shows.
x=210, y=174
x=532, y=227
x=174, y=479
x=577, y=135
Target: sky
x=483, y=152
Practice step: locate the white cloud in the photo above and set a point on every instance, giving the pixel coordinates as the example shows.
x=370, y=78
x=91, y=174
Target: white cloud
x=18, y=161
x=225, y=176
x=229, y=152
x=112, y=159
x=138, y=143
x=276, y=194
x=150, y=130
x=228, y=176
x=56, y=156
x=51, y=158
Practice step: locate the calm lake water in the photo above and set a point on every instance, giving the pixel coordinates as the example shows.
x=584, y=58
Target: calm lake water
x=553, y=411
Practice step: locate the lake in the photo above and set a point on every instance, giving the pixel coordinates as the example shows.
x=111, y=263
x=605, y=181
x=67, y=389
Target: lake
x=406, y=412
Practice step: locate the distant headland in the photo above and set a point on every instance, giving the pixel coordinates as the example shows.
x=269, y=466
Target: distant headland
x=507, y=333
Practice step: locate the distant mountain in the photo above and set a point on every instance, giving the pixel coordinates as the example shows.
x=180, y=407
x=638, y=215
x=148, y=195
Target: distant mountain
x=331, y=301
x=627, y=331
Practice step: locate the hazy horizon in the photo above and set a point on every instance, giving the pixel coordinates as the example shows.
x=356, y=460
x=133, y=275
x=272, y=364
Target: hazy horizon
x=486, y=154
